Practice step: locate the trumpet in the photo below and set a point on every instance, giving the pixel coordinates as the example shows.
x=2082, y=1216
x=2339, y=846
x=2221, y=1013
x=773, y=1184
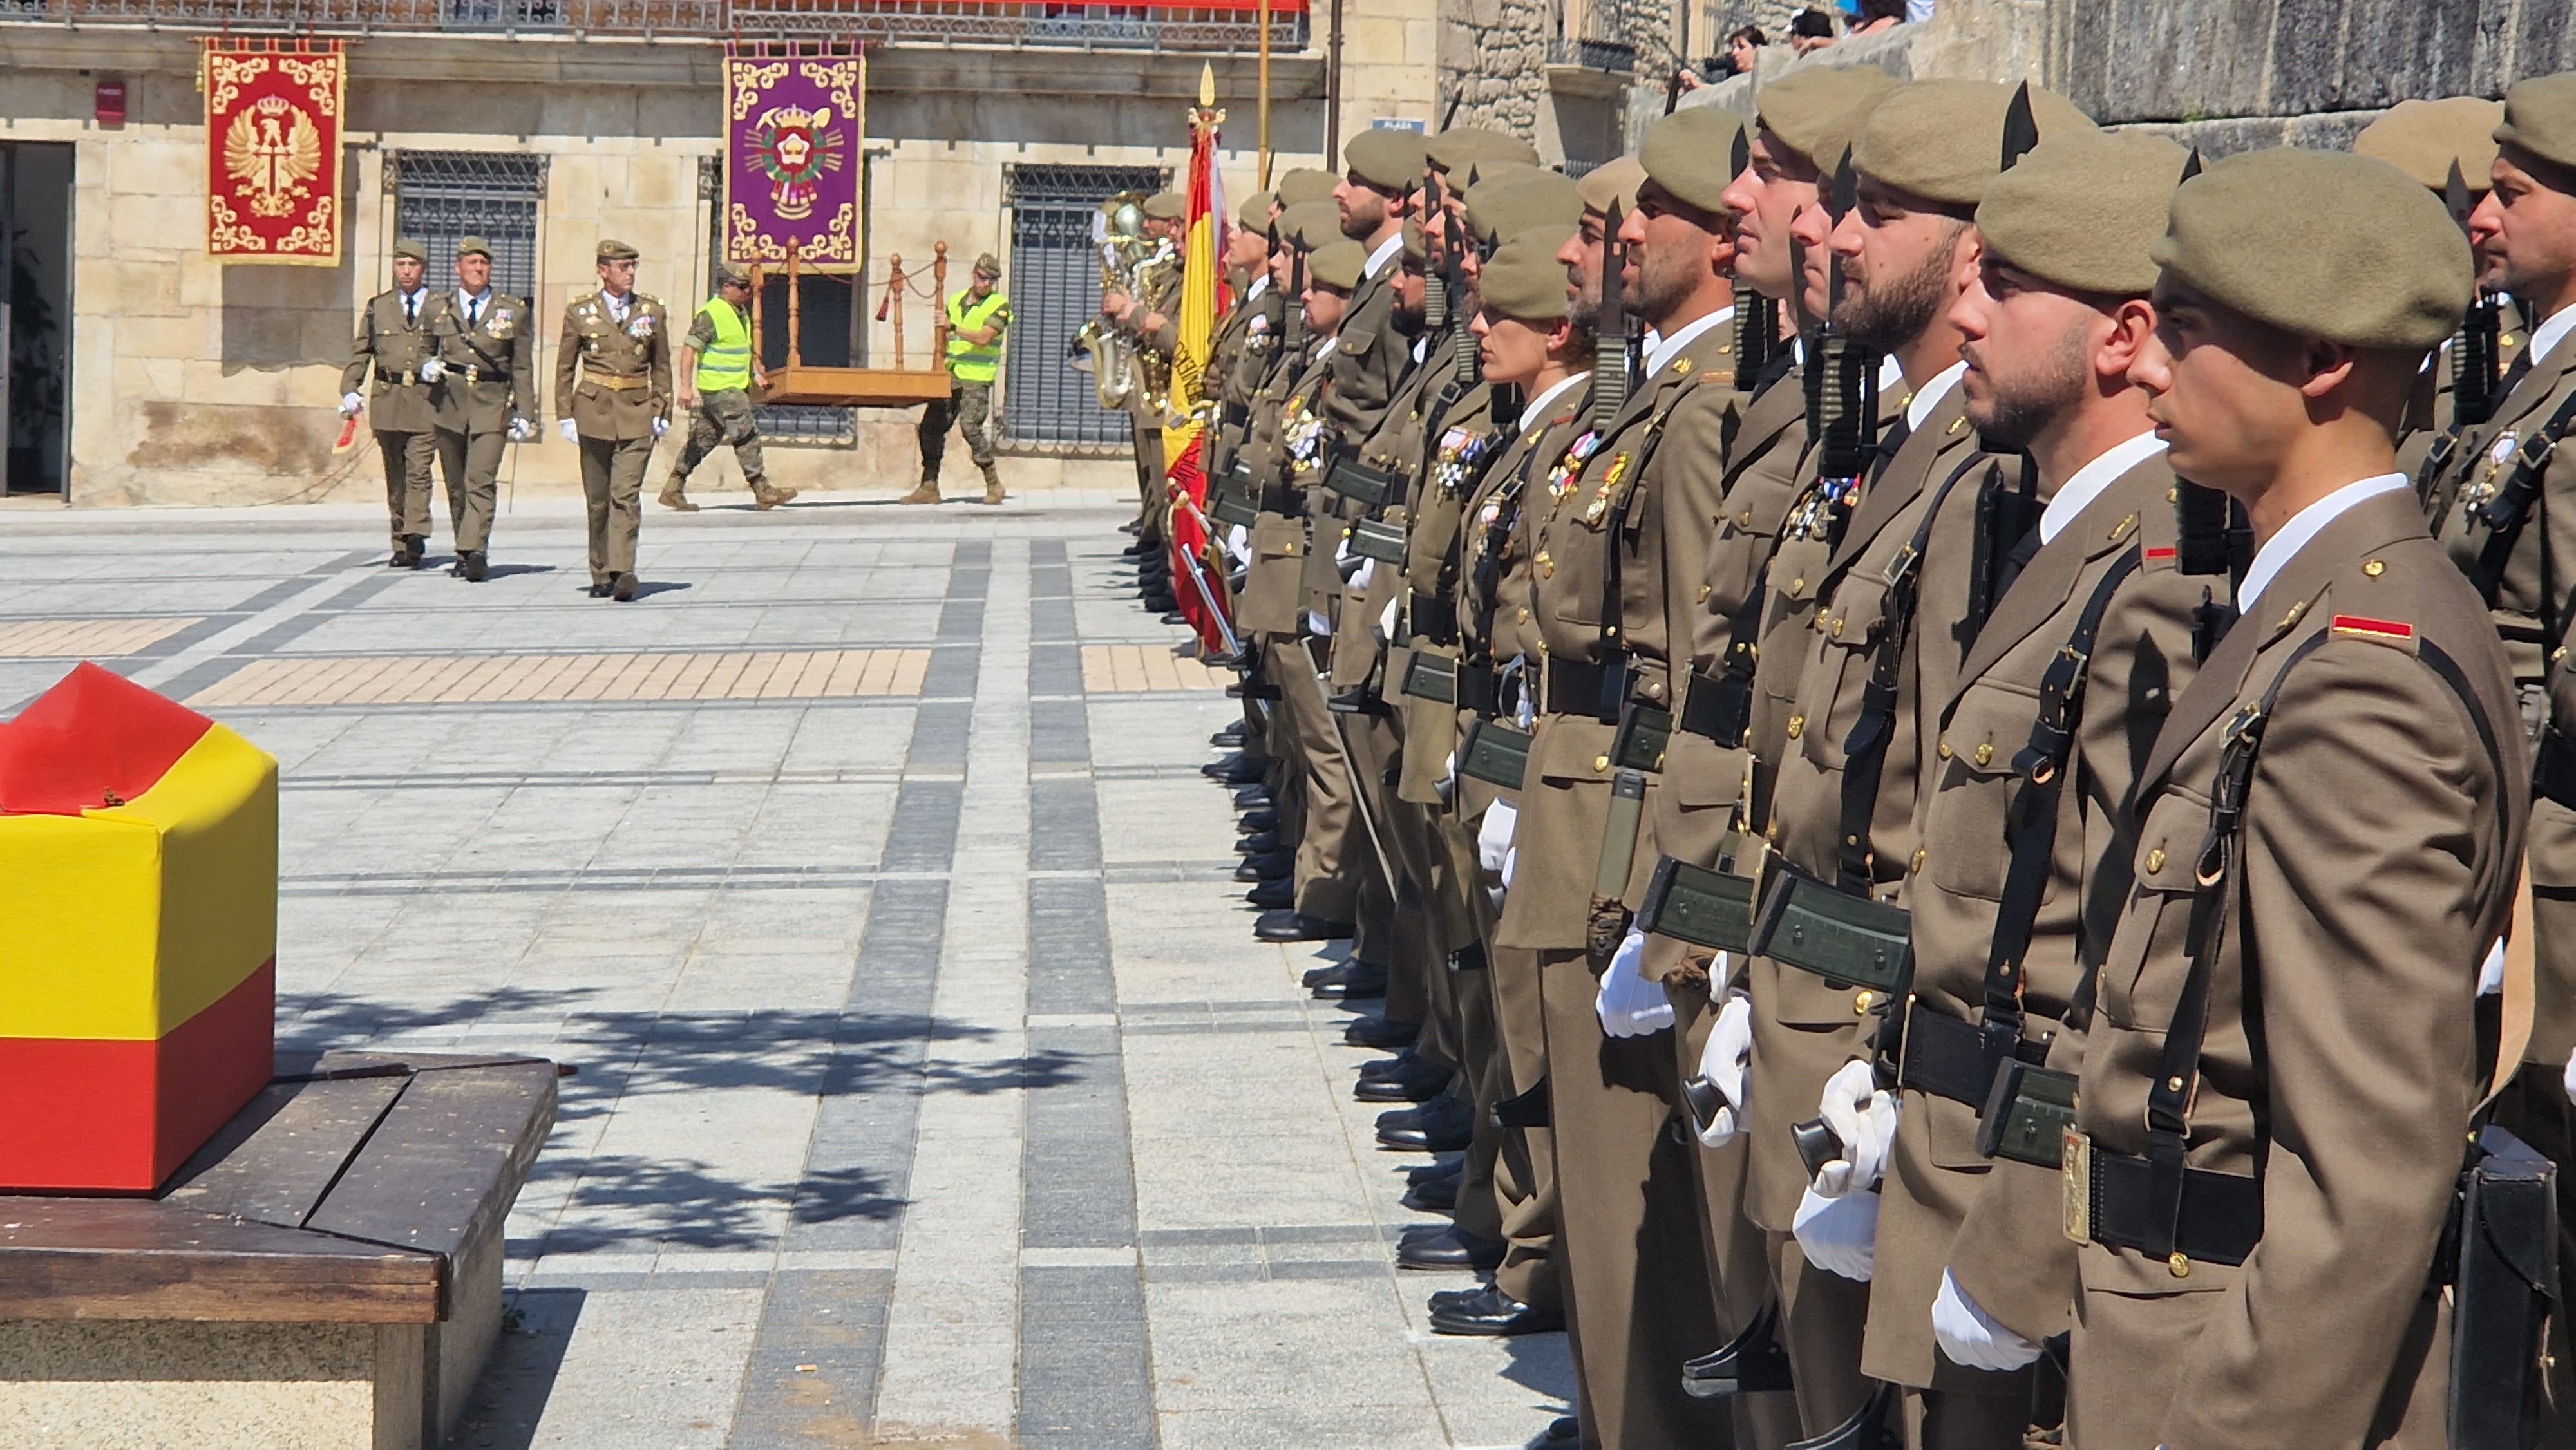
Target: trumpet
x=1120, y=232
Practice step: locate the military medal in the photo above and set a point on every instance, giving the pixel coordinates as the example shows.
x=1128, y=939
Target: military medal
x=1560, y=479
x=1594, y=512
x=2484, y=487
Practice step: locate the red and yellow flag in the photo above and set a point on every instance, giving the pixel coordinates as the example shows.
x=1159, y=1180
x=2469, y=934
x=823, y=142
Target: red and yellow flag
x=1199, y=586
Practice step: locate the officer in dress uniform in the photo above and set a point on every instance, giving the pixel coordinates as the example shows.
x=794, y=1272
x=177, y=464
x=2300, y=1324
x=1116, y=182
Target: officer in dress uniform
x=483, y=362
x=977, y=317
x=1152, y=323
x=613, y=402
x=716, y=375
x=393, y=340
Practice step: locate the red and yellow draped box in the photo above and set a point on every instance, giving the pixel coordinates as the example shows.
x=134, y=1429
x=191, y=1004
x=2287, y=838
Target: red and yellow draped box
x=138, y=967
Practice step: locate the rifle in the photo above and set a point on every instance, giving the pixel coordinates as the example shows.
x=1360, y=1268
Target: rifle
x=2476, y=356
x=1673, y=90
x=1610, y=352
x=2004, y=518
x=1842, y=393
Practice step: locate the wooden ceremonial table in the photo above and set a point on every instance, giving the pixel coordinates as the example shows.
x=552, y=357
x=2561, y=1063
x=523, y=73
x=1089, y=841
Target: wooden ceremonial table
x=325, y=1272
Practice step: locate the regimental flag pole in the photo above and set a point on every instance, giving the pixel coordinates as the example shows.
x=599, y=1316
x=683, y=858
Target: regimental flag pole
x=1185, y=426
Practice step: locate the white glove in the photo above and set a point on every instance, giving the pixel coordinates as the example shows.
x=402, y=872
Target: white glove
x=1839, y=1235
x=2491, y=971
x=1723, y=1062
x=1364, y=576
x=1239, y=544
x=522, y=429
x=661, y=426
x=431, y=370
x=1386, y=620
x=570, y=433
x=1970, y=1336
x=351, y=405
x=1865, y=1119
x=1317, y=625
x=1511, y=858
x=1627, y=1004
x=2569, y=1080
x=1494, y=834
x=1342, y=551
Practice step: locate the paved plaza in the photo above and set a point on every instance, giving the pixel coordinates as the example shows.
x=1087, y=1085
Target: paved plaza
x=930, y=1087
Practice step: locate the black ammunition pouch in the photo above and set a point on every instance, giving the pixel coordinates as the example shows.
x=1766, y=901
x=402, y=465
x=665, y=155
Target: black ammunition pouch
x=1639, y=745
x=1719, y=707
x=1694, y=904
x=1433, y=616
x=1480, y=688
x=1495, y=753
x=2553, y=774
x=1371, y=488
x=1952, y=1058
x=1431, y=677
x=1576, y=688
x=2027, y=1114
x=2501, y=1258
x=1808, y=923
x=1379, y=540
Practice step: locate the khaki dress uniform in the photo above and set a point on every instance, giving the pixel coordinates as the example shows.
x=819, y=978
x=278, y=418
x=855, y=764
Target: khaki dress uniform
x=1628, y=1197
x=487, y=347
x=394, y=337
x=613, y=380
x=1145, y=415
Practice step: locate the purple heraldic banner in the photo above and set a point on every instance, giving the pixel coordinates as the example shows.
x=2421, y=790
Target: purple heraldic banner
x=793, y=129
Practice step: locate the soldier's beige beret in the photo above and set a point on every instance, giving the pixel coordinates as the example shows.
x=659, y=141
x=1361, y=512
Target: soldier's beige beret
x=1692, y=155
x=1611, y=181
x=1311, y=225
x=1254, y=214
x=1471, y=146
x=411, y=247
x=612, y=250
x=1477, y=173
x=1514, y=202
x=1943, y=141
x=729, y=274
x=1167, y=206
x=987, y=265
x=473, y=247
x=2082, y=211
x=1524, y=279
x=1306, y=184
x=1338, y=265
x=2321, y=244
x=2425, y=139
x=2540, y=117
x=1816, y=112
x=1386, y=158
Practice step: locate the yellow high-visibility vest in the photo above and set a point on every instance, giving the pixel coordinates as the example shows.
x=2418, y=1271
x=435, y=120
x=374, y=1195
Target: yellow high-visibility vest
x=726, y=364
x=974, y=362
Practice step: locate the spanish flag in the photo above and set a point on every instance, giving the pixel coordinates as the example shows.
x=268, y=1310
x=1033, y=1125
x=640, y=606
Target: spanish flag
x=138, y=967
x=1198, y=585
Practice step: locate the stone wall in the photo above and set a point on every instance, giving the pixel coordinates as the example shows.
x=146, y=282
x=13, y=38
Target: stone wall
x=1492, y=59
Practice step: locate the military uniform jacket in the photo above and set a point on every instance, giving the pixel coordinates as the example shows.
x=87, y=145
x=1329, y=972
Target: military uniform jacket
x=2432, y=412
x=1397, y=447
x=491, y=366
x=393, y=346
x=2481, y=464
x=2123, y=540
x=1374, y=355
x=2376, y=868
x=1238, y=362
x=614, y=380
x=1273, y=599
x=1600, y=556
x=1805, y=1028
x=1471, y=440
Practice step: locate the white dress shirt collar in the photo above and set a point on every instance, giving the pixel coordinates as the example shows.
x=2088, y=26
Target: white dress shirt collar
x=1259, y=285
x=1325, y=349
x=617, y=305
x=2304, y=526
x=1932, y=393
x=1385, y=253
x=1534, y=412
x=2546, y=337
x=1661, y=349
x=2076, y=495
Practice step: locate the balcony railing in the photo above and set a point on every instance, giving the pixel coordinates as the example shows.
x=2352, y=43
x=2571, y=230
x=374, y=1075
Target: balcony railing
x=1601, y=55
x=1223, y=25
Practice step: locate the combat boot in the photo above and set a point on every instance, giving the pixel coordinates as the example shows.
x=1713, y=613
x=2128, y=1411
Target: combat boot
x=765, y=497
x=928, y=492
x=671, y=496
x=992, y=484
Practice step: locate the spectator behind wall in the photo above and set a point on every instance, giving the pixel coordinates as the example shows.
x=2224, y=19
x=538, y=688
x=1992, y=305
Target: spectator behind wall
x=1811, y=31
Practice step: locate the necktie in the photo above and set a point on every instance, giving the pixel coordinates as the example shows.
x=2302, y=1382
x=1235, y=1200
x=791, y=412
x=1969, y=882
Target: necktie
x=411, y=309
x=2513, y=374
x=1887, y=445
x=473, y=312
x=2015, y=561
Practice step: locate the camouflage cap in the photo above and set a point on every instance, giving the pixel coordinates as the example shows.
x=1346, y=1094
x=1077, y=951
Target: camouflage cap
x=473, y=247
x=2081, y=211
x=2540, y=117
x=612, y=250
x=987, y=265
x=1816, y=111
x=1338, y=265
x=1306, y=184
x=411, y=248
x=1518, y=200
x=1471, y=145
x=1254, y=214
x=1611, y=181
x=1312, y=225
x=2425, y=139
x=1691, y=154
x=1524, y=279
x=1943, y=141
x=727, y=274
x=2280, y=236
x=1387, y=158
x=1167, y=206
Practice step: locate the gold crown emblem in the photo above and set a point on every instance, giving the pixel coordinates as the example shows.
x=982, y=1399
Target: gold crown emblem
x=787, y=118
x=271, y=106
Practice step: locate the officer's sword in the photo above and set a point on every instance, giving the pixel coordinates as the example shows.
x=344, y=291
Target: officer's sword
x=1198, y=574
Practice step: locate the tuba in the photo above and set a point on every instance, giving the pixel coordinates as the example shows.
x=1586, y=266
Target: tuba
x=1119, y=230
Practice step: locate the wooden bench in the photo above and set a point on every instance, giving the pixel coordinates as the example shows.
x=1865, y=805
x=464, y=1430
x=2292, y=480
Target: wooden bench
x=325, y=1272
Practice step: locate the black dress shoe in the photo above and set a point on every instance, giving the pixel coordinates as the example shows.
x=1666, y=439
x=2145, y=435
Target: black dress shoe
x=1268, y=866
x=1395, y=1066
x=1137, y=550
x=1442, y=1298
x=1442, y=1125
x=1286, y=926
x=471, y=565
x=624, y=592
x=1351, y=982
x=1162, y=604
x=1564, y=1430
x=1445, y=1247
x=1257, y=820
x=1317, y=974
x=1494, y=1313
x=1753, y=1362
x=1444, y=1166
x=599, y=591
x=1240, y=768
x=1254, y=798
x=1258, y=843
x=1380, y=1032
x=1434, y=1195
x=1270, y=895
x=1229, y=738
x=1131, y=527
x=1418, y=1081
x=1174, y=615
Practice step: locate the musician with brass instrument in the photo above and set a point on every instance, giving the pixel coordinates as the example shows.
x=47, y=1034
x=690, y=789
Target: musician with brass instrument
x=1145, y=312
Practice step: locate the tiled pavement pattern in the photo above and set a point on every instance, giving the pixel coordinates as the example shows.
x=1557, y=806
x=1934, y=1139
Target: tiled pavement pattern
x=931, y=1089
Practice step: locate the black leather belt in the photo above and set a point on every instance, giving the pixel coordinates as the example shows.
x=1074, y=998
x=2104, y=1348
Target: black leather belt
x=2553, y=775
x=2222, y=1214
x=1433, y=616
x=1719, y=707
x=1946, y=1057
x=1575, y=688
x=1479, y=689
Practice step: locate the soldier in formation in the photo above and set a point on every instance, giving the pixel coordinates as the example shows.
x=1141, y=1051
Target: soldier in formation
x=1955, y=851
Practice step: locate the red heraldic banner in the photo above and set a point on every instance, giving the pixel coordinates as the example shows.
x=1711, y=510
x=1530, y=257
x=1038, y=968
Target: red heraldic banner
x=273, y=115
x=138, y=974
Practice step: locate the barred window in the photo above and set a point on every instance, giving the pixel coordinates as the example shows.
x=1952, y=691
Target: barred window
x=1054, y=284
x=442, y=197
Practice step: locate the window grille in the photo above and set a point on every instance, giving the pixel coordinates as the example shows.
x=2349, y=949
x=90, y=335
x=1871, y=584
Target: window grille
x=1054, y=284
x=441, y=197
